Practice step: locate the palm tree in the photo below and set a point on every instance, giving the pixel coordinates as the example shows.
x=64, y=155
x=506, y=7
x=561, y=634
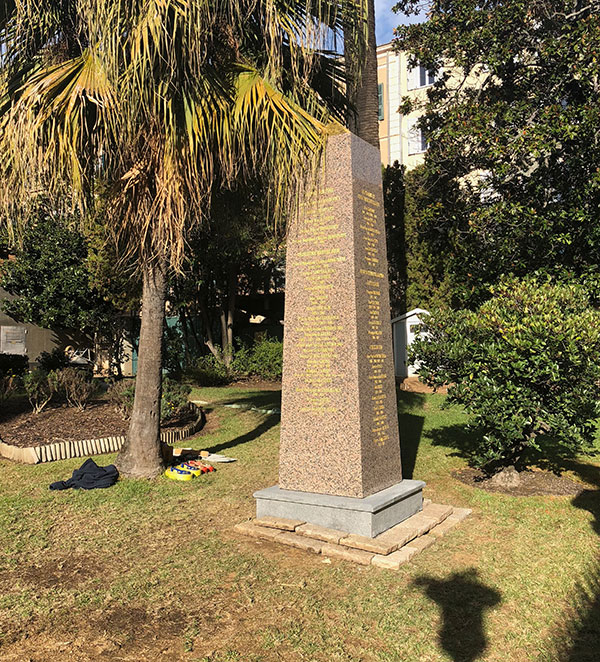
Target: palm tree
x=152, y=104
x=363, y=116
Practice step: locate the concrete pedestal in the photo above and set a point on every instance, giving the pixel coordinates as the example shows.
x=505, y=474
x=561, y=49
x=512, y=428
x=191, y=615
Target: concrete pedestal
x=368, y=516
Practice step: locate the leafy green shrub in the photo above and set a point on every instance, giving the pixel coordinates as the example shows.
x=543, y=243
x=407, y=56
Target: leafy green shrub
x=13, y=364
x=267, y=358
x=40, y=386
x=8, y=384
x=77, y=386
x=54, y=360
x=12, y=368
x=525, y=365
x=173, y=351
x=121, y=395
x=209, y=371
x=174, y=398
x=263, y=359
x=241, y=365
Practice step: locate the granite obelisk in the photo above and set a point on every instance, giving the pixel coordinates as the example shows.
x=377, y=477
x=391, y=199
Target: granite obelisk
x=340, y=449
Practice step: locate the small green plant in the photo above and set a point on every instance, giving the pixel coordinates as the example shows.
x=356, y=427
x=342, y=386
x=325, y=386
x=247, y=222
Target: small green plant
x=12, y=368
x=77, y=386
x=267, y=358
x=121, y=395
x=173, y=402
x=524, y=365
x=174, y=398
x=14, y=364
x=209, y=371
x=40, y=386
x=8, y=384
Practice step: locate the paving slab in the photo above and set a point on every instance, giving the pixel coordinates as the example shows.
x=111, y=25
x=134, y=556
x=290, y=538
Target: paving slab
x=442, y=529
x=346, y=553
x=437, y=511
x=394, y=560
x=300, y=542
x=421, y=523
x=321, y=533
x=421, y=543
x=254, y=531
x=460, y=514
x=281, y=523
x=375, y=545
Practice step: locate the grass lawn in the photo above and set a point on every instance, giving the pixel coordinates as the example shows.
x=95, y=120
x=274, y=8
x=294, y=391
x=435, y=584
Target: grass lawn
x=153, y=570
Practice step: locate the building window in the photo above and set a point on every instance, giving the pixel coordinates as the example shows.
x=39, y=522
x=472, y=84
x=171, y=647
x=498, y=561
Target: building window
x=417, y=140
x=420, y=77
x=380, y=96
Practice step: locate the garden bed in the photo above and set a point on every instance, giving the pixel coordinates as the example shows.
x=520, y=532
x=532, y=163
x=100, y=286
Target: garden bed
x=60, y=432
x=532, y=483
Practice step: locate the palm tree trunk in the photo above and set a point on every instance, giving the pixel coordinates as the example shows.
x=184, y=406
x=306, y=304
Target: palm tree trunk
x=140, y=456
x=364, y=93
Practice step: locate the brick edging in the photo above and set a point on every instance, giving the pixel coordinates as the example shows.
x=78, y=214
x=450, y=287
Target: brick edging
x=64, y=450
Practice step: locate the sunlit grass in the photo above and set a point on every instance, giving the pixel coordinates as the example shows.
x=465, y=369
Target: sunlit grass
x=153, y=570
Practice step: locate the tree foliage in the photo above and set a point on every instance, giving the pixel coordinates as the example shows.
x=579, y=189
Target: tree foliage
x=513, y=167
x=50, y=279
x=159, y=103
x=524, y=365
x=417, y=269
x=237, y=252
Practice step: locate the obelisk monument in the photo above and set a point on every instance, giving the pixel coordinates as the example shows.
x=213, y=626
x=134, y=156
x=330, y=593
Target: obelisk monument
x=340, y=448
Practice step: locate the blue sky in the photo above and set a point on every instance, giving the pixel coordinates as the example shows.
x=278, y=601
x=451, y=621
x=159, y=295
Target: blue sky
x=386, y=20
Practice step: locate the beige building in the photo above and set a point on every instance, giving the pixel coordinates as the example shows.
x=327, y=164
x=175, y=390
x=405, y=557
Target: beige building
x=399, y=138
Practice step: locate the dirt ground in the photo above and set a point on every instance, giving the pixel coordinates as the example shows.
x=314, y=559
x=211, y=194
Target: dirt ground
x=533, y=483
x=413, y=385
x=20, y=427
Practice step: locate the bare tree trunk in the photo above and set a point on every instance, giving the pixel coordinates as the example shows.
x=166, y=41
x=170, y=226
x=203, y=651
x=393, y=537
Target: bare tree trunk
x=364, y=93
x=209, y=342
x=140, y=456
x=232, y=284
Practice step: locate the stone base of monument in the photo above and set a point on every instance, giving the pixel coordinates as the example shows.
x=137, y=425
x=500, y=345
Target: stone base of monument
x=389, y=550
x=367, y=517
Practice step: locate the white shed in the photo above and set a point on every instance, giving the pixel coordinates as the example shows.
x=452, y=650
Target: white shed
x=404, y=329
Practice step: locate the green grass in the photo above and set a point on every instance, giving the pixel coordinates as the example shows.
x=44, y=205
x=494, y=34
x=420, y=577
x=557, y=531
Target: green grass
x=153, y=570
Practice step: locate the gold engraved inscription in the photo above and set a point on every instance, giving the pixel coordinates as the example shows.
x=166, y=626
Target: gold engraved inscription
x=372, y=265
x=319, y=326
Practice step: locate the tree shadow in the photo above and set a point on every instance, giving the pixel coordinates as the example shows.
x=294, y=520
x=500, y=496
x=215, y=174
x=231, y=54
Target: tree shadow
x=463, y=599
x=458, y=437
x=260, y=429
x=411, y=428
x=258, y=399
x=580, y=638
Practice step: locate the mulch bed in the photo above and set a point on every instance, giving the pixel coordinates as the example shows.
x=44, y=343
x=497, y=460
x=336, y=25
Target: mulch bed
x=19, y=426
x=533, y=483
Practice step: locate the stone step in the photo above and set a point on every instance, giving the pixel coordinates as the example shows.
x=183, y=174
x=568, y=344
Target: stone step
x=389, y=550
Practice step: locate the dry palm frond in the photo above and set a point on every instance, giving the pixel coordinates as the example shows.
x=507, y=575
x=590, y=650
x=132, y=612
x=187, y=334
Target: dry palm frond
x=159, y=101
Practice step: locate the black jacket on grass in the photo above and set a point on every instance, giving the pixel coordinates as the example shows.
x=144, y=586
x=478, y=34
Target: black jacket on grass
x=89, y=476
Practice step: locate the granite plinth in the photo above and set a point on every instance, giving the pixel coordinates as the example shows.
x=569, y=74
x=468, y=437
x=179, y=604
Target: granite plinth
x=339, y=422
x=367, y=516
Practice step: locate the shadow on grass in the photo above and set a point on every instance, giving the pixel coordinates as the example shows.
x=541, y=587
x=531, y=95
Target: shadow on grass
x=260, y=429
x=458, y=437
x=410, y=426
x=463, y=599
x=258, y=399
x=579, y=640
